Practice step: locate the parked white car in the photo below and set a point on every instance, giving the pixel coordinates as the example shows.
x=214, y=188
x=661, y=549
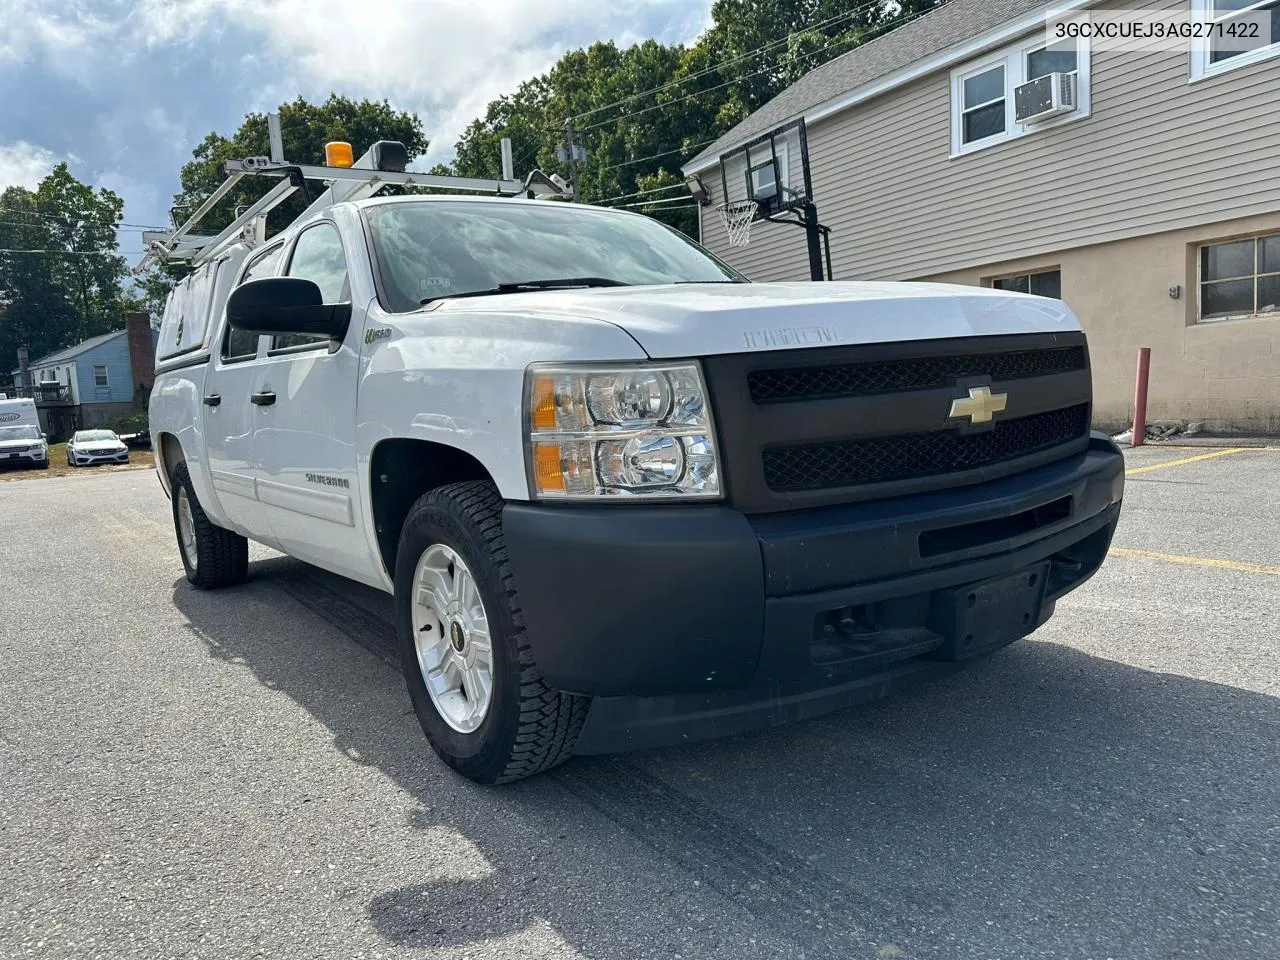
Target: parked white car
x=22, y=443
x=89, y=447
x=622, y=496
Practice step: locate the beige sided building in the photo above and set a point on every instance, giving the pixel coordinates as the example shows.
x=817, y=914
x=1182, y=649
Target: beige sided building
x=1151, y=205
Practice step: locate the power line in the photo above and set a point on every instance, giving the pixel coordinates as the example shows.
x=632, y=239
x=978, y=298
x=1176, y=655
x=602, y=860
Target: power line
x=654, y=203
x=641, y=193
x=739, y=79
x=848, y=14
x=8, y=211
x=39, y=226
x=70, y=253
x=656, y=156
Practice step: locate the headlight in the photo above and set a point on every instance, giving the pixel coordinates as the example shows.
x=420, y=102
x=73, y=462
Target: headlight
x=631, y=431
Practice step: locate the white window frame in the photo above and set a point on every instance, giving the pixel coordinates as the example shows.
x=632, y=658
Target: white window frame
x=106, y=379
x=1014, y=58
x=1200, y=280
x=1201, y=68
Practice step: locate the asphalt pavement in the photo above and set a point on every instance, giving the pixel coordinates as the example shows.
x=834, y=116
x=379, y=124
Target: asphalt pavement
x=239, y=774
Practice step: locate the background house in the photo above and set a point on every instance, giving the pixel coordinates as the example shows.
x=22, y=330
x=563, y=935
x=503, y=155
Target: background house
x=1152, y=207
x=90, y=383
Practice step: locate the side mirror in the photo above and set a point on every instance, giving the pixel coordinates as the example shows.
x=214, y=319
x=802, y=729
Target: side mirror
x=280, y=305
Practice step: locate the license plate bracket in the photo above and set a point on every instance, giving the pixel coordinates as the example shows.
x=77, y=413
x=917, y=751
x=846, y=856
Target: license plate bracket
x=982, y=616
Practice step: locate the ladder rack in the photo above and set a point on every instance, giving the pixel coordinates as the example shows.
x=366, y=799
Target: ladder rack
x=360, y=180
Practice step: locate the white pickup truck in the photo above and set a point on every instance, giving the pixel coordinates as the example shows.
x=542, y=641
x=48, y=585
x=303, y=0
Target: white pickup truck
x=622, y=496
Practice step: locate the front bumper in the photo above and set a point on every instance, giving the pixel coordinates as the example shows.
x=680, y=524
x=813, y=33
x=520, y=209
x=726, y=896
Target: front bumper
x=704, y=619
x=12, y=458
x=89, y=459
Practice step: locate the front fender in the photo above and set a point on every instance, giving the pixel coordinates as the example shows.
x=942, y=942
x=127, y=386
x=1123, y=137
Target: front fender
x=458, y=380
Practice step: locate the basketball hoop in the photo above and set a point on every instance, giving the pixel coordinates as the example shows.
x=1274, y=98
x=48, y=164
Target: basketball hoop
x=738, y=215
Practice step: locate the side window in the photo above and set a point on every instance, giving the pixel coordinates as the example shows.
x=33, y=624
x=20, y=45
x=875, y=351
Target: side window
x=241, y=344
x=318, y=257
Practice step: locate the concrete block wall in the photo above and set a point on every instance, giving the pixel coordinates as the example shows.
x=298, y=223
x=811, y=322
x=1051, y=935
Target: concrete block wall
x=1225, y=373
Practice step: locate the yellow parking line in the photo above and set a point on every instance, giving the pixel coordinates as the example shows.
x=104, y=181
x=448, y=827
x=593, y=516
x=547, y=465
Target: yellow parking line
x=1197, y=561
x=1175, y=463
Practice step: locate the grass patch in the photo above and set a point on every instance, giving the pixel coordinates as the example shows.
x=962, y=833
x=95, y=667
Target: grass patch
x=138, y=460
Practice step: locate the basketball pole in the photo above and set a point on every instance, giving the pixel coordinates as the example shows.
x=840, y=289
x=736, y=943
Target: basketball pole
x=817, y=236
x=813, y=234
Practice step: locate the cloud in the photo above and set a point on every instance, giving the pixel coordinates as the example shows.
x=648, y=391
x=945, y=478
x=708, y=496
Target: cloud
x=445, y=59
x=24, y=164
x=132, y=86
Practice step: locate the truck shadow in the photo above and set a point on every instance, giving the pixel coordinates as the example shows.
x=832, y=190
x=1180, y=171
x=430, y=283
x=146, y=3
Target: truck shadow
x=1043, y=800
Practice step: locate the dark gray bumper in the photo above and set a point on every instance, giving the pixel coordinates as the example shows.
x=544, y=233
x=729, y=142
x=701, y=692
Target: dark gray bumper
x=684, y=612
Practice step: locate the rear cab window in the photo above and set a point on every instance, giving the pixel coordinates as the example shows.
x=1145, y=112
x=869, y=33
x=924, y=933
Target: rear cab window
x=187, y=312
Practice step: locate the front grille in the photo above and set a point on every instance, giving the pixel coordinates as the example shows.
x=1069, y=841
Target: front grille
x=880, y=459
x=918, y=373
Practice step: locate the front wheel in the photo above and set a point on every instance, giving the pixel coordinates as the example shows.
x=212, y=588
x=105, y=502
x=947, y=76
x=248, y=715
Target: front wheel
x=467, y=662
x=212, y=557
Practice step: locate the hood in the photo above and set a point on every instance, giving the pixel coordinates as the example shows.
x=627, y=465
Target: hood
x=689, y=320
x=19, y=444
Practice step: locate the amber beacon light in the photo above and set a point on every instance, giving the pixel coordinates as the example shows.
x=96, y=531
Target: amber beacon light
x=337, y=153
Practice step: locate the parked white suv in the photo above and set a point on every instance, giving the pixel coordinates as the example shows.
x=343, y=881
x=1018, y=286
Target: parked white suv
x=22, y=444
x=622, y=496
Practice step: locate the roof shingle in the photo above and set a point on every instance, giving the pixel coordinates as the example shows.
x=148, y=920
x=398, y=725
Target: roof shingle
x=70, y=353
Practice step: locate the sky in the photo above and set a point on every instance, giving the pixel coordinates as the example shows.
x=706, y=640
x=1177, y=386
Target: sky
x=125, y=89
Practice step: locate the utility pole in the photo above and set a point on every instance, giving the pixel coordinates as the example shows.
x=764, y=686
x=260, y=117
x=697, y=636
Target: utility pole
x=573, y=158
x=508, y=164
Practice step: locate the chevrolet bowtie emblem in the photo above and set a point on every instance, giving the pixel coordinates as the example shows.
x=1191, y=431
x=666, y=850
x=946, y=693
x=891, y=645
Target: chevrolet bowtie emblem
x=979, y=406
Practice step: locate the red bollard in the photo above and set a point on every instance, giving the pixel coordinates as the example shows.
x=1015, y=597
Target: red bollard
x=1140, y=397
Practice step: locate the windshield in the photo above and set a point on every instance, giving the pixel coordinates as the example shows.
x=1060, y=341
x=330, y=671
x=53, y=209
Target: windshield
x=94, y=436
x=434, y=249
x=23, y=432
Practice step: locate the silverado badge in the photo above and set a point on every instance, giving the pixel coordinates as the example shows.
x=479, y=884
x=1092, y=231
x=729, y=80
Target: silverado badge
x=979, y=406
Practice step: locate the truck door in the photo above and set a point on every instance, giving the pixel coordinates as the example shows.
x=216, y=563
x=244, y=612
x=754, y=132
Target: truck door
x=304, y=428
x=233, y=375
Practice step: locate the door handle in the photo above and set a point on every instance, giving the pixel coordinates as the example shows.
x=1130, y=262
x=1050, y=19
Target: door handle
x=263, y=398
x=213, y=399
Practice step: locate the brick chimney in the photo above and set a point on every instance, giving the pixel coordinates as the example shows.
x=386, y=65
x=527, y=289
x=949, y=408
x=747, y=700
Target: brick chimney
x=142, y=354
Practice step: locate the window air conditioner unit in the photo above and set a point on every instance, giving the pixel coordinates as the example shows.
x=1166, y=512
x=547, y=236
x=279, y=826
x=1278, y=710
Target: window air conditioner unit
x=1044, y=97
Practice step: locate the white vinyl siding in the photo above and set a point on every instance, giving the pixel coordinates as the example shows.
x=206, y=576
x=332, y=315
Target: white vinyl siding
x=1156, y=154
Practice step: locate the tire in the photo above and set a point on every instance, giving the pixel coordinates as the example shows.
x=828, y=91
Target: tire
x=221, y=557
x=528, y=727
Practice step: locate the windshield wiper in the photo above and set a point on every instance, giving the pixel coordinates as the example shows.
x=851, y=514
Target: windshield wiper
x=563, y=283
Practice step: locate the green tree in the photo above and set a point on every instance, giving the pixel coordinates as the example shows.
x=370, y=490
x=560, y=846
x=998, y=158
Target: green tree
x=72, y=286
x=642, y=111
x=304, y=130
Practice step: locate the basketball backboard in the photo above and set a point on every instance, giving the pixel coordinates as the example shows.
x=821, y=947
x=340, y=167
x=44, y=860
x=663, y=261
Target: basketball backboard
x=772, y=170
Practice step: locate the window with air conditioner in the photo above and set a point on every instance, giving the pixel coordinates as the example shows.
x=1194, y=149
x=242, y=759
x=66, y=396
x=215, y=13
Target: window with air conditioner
x=1211, y=56
x=1018, y=90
